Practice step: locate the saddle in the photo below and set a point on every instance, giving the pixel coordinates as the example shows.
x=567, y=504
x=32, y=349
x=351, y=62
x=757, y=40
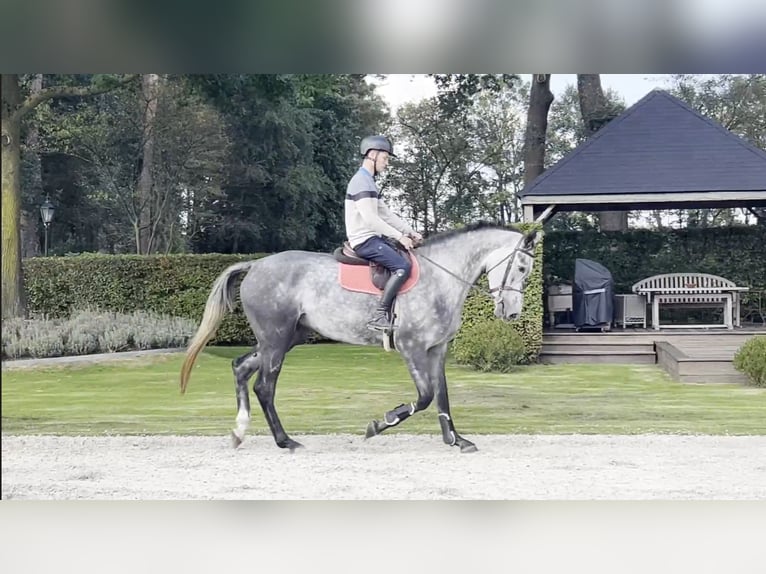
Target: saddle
x=365, y=276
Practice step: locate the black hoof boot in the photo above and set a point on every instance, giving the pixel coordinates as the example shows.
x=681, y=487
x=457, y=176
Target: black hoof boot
x=373, y=429
x=465, y=445
x=290, y=444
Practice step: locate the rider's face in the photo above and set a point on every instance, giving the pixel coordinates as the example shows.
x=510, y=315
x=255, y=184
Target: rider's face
x=381, y=160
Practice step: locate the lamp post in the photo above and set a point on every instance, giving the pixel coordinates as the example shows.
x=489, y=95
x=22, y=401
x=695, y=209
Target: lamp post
x=46, y=212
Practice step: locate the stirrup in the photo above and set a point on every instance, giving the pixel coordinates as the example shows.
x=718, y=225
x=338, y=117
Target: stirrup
x=383, y=321
x=381, y=324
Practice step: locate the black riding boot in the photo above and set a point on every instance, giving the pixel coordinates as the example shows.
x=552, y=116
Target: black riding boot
x=381, y=320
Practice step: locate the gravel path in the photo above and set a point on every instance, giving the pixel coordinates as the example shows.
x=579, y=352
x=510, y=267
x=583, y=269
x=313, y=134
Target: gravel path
x=388, y=467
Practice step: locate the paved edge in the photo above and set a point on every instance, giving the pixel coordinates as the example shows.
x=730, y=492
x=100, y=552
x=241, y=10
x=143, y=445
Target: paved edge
x=14, y=364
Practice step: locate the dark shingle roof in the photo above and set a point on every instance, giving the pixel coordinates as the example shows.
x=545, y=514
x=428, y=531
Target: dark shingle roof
x=658, y=145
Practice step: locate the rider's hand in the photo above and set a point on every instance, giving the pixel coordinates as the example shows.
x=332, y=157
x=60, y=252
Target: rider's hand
x=416, y=238
x=406, y=242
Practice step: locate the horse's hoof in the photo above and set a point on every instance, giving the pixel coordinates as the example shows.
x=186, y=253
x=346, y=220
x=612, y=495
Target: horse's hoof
x=291, y=445
x=372, y=430
x=469, y=447
x=235, y=440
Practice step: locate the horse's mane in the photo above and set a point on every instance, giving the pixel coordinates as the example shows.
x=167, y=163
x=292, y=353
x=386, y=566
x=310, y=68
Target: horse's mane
x=443, y=235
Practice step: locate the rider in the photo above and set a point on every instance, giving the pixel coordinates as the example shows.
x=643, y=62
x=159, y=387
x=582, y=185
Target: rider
x=369, y=221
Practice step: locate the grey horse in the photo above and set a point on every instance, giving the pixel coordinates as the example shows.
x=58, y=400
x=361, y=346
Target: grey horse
x=288, y=295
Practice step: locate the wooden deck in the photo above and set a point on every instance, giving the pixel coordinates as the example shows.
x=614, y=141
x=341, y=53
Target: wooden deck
x=689, y=355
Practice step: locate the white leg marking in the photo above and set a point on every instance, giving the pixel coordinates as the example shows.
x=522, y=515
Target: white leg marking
x=243, y=421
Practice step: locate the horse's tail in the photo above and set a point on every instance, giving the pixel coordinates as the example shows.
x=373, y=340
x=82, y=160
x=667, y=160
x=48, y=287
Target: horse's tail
x=218, y=303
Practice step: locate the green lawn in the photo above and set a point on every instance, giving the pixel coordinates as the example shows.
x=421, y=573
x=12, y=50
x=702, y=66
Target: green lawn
x=338, y=388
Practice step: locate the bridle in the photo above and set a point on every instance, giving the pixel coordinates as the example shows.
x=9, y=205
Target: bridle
x=512, y=255
x=503, y=287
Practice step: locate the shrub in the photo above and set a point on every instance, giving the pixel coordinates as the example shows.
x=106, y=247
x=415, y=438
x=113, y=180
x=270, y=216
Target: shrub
x=490, y=345
x=90, y=331
x=479, y=308
x=751, y=360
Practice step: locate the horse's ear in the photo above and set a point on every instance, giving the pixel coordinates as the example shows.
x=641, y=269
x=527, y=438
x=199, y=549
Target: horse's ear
x=531, y=239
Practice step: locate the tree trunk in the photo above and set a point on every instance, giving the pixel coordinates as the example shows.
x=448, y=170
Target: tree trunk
x=14, y=303
x=540, y=100
x=30, y=220
x=149, y=89
x=595, y=114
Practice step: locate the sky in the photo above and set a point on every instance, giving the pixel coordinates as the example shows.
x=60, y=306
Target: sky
x=398, y=89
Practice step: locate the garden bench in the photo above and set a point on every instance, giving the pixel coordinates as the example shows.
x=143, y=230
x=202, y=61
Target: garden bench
x=692, y=290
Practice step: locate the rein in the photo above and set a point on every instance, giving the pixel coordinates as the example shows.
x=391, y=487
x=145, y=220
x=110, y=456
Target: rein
x=503, y=287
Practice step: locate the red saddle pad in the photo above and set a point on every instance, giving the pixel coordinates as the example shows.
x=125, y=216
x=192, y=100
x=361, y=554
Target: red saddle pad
x=357, y=278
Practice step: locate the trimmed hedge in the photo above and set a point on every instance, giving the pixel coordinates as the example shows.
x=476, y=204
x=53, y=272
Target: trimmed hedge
x=736, y=253
x=175, y=285
x=178, y=285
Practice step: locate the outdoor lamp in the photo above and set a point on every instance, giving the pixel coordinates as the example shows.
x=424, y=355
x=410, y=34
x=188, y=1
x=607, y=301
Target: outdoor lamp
x=46, y=212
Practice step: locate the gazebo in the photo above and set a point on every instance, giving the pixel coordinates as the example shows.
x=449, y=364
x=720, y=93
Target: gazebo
x=658, y=154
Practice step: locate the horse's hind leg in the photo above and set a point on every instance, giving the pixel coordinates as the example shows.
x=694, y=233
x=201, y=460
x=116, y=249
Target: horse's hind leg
x=243, y=367
x=417, y=361
x=265, y=389
x=437, y=356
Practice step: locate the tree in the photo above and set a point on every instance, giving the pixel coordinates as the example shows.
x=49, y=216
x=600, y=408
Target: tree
x=457, y=92
x=432, y=175
x=497, y=128
x=15, y=107
x=540, y=100
x=294, y=147
x=150, y=91
x=566, y=132
x=596, y=113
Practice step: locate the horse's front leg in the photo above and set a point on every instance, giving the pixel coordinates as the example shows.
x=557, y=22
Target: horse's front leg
x=438, y=358
x=417, y=362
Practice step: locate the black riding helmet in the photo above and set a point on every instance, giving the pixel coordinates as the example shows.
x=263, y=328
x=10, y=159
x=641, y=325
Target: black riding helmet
x=381, y=143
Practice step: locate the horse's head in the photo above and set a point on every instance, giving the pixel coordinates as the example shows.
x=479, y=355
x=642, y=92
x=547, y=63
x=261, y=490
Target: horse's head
x=508, y=269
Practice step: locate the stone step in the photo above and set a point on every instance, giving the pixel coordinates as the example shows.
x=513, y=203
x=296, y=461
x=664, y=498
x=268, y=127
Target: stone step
x=626, y=346
x=599, y=357
x=598, y=338
x=695, y=366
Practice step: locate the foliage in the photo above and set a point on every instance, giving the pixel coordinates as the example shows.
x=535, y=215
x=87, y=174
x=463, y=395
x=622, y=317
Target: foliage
x=479, y=308
x=93, y=151
x=489, y=345
x=498, y=132
x=91, y=331
x=735, y=253
x=457, y=92
x=175, y=285
x=566, y=129
x=430, y=175
x=178, y=285
x=296, y=146
x=751, y=360
x=241, y=163
x=460, y=160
